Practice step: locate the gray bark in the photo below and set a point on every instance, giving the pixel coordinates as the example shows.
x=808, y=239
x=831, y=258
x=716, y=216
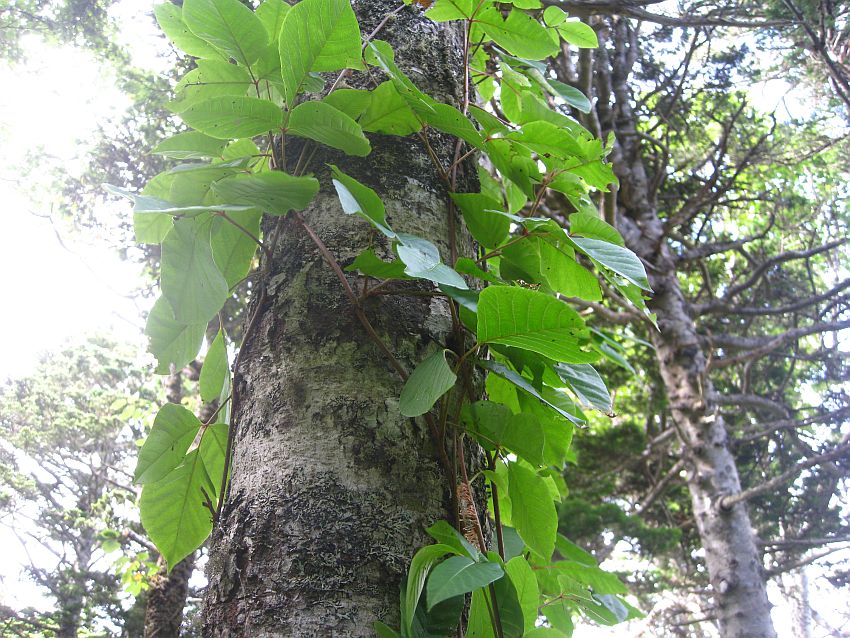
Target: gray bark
x=733, y=562
x=331, y=487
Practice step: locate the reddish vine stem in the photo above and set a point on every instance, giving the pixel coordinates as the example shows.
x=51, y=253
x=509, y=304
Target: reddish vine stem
x=234, y=402
x=491, y=460
x=370, y=330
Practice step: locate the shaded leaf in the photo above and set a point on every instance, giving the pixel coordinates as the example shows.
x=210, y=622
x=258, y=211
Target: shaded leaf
x=458, y=575
x=214, y=370
x=173, y=431
x=431, y=379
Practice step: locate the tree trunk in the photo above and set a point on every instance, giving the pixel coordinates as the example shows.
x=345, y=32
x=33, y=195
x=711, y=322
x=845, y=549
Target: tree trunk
x=733, y=562
x=331, y=487
x=166, y=597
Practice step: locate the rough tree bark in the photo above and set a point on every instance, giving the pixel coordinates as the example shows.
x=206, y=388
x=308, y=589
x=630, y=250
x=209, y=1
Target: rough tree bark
x=731, y=556
x=331, y=487
x=166, y=597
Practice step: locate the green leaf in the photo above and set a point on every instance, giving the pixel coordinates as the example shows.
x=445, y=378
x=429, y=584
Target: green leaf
x=510, y=611
x=424, y=559
x=172, y=342
x=445, y=10
x=482, y=218
x=147, y=205
x=430, y=380
x=173, y=509
x=233, y=250
x=214, y=370
x=573, y=552
x=151, y=229
x=173, y=431
x=600, y=581
x=352, y=102
x=371, y=265
x=271, y=13
x=594, y=227
x=524, y=384
x=532, y=509
x=448, y=119
x=570, y=95
x=213, y=448
x=621, y=260
x=423, y=262
x=275, y=192
x=229, y=26
x=533, y=321
x=587, y=385
x=444, y=533
x=494, y=426
x=553, y=16
x=440, y=621
x=191, y=281
x=190, y=145
x=170, y=19
x=211, y=79
x=384, y=631
x=578, y=34
x=525, y=584
x=388, y=112
x=317, y=35
x=321, y=122
x=459, y=575
x=358, y=199
x=519, y=33
x=229, y=117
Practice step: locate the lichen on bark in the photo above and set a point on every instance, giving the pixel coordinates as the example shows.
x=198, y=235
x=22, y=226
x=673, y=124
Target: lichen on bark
x=331, y=486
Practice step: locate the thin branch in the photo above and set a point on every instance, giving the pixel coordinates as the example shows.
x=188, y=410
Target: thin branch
x=729, y=501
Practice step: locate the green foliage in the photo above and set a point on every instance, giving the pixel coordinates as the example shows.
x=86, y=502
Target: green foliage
x=68, y=429
x=250, y=100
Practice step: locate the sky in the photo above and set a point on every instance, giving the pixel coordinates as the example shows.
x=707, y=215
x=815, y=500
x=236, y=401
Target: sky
x=60, y=284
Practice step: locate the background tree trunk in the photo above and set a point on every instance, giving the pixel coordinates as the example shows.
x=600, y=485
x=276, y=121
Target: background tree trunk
x=331, y=487
x=731, y=556
x=166, y=597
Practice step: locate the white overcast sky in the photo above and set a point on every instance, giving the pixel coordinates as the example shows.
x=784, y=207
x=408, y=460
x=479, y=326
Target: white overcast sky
x=54, y=104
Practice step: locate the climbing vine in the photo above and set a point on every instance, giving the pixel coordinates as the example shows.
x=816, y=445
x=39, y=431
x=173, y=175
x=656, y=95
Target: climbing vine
x=262, y=85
